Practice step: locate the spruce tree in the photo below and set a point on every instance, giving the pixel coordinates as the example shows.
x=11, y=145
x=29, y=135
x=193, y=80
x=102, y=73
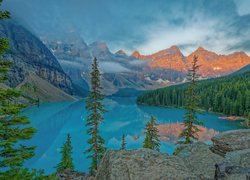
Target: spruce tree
x=66, y=161
x=152, y=137
x=14, y=129
x=190, y=131
x=95, y=110
x=123, y=144
x=247, y=121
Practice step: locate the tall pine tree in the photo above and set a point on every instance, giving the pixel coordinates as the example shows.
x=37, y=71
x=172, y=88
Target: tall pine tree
x=95, y=110
x=152, y=137
x=190, y=122
x=66, y=161
x=123, y=144
x=14, y=129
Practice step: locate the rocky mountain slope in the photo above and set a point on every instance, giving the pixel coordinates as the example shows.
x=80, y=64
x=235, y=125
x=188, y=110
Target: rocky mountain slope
x=170, y=58
x=31, y=57
x=36, y=88
x=212, y=64
x=242, y=70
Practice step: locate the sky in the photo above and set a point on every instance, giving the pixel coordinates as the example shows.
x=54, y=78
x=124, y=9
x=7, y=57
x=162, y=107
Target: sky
x=222, y=26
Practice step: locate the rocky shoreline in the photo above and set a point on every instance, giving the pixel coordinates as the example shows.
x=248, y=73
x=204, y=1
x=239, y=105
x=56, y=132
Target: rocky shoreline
x=228, y=158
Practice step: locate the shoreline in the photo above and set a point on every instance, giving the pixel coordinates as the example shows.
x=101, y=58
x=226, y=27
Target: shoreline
x=223, y=116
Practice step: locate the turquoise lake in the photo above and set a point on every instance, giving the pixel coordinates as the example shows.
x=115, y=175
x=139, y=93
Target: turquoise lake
x=54, y=121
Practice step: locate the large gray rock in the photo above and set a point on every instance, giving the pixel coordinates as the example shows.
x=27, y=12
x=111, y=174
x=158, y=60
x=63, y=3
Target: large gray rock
x=239, y=158
x=235, y=166
x=142, y=164
x=73, y=175
x=70, y=174
x=195, y=161
x=231, y=141
x=200, y=159
x=227, y=171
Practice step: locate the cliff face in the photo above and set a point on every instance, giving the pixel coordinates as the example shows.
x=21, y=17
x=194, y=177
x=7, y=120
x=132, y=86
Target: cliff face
x=211, y=64
x=216, y=65
x=171, y=58
x=29, y=55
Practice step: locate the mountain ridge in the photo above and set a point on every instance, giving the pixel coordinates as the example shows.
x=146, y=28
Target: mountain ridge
x=30, y=56
x=137, y=71
x=212, y=64
x=118, y=70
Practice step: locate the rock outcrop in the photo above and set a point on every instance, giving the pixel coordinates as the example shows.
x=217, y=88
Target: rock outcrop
x=192, y=162
x=227, y=171
x=196, y=161
x=142, y=164
x=200, y=159
x=235, y=147
x=231, y=141
x=70, y=174
x=239, y=158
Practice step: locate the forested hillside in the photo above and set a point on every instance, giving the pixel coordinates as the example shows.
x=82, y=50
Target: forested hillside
x=229, y=95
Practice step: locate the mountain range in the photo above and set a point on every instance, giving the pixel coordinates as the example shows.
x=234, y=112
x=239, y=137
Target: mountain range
x=57, y=68
x=137, y=71
x=118, y=69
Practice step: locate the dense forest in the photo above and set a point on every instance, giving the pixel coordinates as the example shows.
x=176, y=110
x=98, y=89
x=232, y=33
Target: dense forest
x=228, y=95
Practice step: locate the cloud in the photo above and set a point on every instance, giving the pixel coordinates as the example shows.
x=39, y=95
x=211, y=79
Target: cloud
x=163, y=36
x=243, y=7
x=210, y=34
x=219, y=25
x=111, y=67
x=114, y=126
x=224, y=33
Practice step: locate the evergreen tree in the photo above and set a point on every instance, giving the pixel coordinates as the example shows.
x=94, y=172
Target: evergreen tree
x=229, y=95
x=14, y=129
x=95, y=110
x=123, y=145
x=151, y=140
x=190, y=131
x=247, y=121
x=66, y=151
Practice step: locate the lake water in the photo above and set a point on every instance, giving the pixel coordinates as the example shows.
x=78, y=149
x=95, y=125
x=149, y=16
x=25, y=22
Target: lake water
x=54, y=121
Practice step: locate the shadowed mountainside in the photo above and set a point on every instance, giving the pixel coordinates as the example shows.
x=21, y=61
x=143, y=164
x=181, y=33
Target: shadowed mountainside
x=31, y=58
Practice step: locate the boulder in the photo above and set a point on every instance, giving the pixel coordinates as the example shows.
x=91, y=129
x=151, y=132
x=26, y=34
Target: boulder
x=239, y=158
x=200, y=159
x=231, y=141
x=72, y=175
x=227, y=171
x=142, y=164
